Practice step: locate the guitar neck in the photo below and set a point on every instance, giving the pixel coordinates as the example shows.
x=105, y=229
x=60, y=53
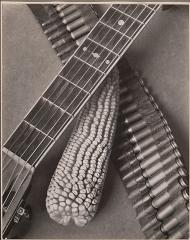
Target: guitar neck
x=78, y=80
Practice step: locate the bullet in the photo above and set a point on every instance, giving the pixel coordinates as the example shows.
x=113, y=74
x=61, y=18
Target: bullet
x=181, y=232
x=136, y=126
x=140, y=135
x=132, y=173
x=145, y=212
x=53, y=27
x=144, y=153
x=165, y=195
x=64, y=60
x=150, y=160
x=80, y=40
x=140, y=178
x=72, y=17
x=162, y=198
x=62, y=41
x=50, y=10
x=66, y=55
x=67, y=49
x=57, y=34
x=60, y=7
x=80, y=31
x=126, y=100
x=144, y=143
x=175, y=176
x=172, y=221
x=125, y=133
x=50, y=21
x=123, y=91
x=124, y=145
x=170, y=207
x=147, y=112
x=129, y=108
x=160, y=175
x=156, y=190
x=163, y=185
x=125, y=154
x=76, y=24
x=158, y=127
x=136, y=192
x=66, y=11
x=125, y=167
x=163, y=141
x=150, y=170
x=149, y=225
x=158, y=235
x=135, y=181
x=131, y=183
x=142, y=201
x=131, y=118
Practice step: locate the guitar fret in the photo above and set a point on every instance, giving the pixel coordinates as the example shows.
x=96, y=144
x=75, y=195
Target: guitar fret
x=152, y=9
x=17, y=159
x=57, y=106
x=89, y=65
x=115, y=29
x=142, y=23
x=47, y=117
x=122, y=21
x=32, y=142
x=80, y=77
x=103, y=46
x=84, y=76
x=38, y=130
x=74, y=84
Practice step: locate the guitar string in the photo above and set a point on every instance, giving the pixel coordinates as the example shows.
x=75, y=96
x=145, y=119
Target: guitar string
x=79, y=68
x=67, y=84
x=73, y=77
x=62, y=91
x=133, y=22
x=79, y=81
x=63, y=88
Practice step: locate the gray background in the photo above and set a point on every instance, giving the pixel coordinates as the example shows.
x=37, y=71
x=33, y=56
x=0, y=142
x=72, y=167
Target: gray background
x=29, y=64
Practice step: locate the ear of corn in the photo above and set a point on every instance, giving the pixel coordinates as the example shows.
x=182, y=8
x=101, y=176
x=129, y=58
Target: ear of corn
x=76, y=186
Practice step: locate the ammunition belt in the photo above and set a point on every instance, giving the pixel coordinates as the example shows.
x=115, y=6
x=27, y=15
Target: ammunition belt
x=149, y=162
x=65, y=25
x=147, y=156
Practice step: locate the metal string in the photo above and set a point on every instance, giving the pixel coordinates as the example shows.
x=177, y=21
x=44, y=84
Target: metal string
x=65, y=84
x=101, y=64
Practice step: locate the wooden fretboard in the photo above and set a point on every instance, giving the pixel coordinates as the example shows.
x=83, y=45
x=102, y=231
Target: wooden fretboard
x=78, y=80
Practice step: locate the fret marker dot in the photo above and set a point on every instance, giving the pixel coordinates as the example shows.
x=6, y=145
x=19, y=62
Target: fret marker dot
x=84, y=49
x=107, y=61
x=121, y=22
x=96, y=55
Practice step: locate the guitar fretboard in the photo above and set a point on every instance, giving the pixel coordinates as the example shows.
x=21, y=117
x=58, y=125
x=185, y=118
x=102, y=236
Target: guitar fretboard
x=78, y=80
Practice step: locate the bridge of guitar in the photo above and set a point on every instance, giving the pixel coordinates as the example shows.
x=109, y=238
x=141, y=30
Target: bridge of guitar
x=16, y=177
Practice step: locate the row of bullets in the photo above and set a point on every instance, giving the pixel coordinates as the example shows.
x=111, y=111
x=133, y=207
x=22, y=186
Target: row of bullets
x=66, y=26
x=149, y=162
